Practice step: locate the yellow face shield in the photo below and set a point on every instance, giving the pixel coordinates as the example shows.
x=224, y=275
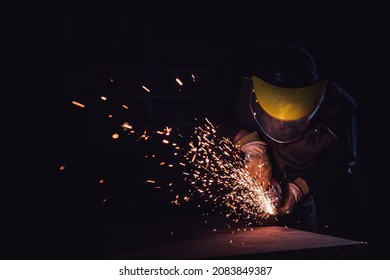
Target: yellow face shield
x=288, y=104
x=284, y=114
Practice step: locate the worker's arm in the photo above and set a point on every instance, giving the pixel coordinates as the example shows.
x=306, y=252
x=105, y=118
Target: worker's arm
x=257, y=162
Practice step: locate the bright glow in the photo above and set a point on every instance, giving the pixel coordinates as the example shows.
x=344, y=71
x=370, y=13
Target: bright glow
x=78, y=104
x=145, y=88
x=216, y=174
x=179, y=82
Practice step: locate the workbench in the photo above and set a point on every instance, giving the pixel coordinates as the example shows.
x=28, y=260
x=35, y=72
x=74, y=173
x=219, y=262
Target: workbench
x=212, y=239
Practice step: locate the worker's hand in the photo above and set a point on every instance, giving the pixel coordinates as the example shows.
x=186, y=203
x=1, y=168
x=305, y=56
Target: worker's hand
x=275, y=193
x=256, y=158
x=291, y=195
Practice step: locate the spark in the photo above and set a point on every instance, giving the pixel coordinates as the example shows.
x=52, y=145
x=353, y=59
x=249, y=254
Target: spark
x=115, y=136
x=145, y=88
x=78, y=104
x=62, y=167
x=217, y=166
x=126, y=125
x=151, y=181
x=179, y=82
x=124, y=106
x=145, y=136
x=167, y=130
x=103, y=98
x=216, y=174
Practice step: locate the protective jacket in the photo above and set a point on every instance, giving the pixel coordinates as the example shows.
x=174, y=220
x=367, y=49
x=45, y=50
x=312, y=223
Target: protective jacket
x=323, y=156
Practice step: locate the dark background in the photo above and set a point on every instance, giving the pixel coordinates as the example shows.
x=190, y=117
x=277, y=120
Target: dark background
x=81, y=51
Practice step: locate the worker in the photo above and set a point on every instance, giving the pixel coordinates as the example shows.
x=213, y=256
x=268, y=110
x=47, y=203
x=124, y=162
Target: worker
x=303, y=125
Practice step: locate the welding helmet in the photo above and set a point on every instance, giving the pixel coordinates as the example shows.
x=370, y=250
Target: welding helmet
x=288, y=93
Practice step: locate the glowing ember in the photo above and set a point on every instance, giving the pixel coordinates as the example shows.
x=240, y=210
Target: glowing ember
x=145, y=88
x=218, y=173
x=179, y=82
x=167, y=130
x=78, y=104
x=151, y=181
x=127, y=126
x=212, y=167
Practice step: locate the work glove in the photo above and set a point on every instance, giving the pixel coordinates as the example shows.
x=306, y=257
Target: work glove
x=275, y=193
x=256, y=159
x=292, y=193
